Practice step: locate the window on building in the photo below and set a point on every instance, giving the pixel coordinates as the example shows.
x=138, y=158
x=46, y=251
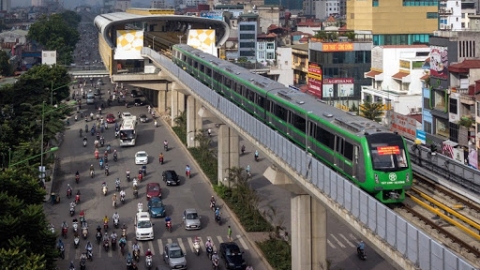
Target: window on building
x=247, y=36
x=453, y=130
x=270, y=46
x=270, y=56
x=375, y=3
x=463, y=25
x=409, y=3
x=427, y=127
x=442, y=128
x=261, y=45
x=426, y=103
x=432, y=15
x=261, y=55
x=244, y=27
x=453, y=106
x=478, y=111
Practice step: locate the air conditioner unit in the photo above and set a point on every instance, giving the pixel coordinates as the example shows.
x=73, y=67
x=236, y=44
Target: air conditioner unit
x=419, y=110
x=412, y=110
x=447, y=27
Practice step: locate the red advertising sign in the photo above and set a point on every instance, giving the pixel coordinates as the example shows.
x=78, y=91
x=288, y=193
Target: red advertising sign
x=404, y=125
x=388, y=150
x=314, y=69
x=338, y=80
x=315, y=87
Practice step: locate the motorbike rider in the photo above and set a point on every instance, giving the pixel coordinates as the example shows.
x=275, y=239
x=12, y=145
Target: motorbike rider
x=135, y=182
x=243, y=149
x=116, y=216
x=92, y=169
x=122, y=194
x=88, y=247
x=212, y=202
x=72, y=266
x=215, y=256
x=135, y=247
x=167, y=220
x=105, y=219
x=256, y=154
x=165, y=144
x=113, y=236
x=148, y=253
x=209, y=244
x=83, y=257
x=114, y=154
x=187, y=170
x=69, y=189
x=217, y=212
x=77, y=174
x=107, y=168
x=361, y=247
x=64, y=224
x=248, y=170
x=114, y=199
x=117, y=182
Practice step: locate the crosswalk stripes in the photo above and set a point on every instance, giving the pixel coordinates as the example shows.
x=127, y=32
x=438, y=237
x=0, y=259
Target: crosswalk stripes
x=180, y=243
x=242, y=242
x=160, y=246
x=330, y=244
x=338, y=242
x=346, y=240
x=150, y=246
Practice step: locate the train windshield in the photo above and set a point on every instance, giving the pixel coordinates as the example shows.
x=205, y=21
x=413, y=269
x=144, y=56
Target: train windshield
x=387, y=152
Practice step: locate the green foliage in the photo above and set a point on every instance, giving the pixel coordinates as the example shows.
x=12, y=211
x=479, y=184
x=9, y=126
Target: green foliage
x=278, y=253
x=466, y=121
x=5, y=67
x=372, y=111
x=24, y=238
x=57, y=32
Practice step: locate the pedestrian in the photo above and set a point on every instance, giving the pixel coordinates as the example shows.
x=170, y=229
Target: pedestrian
x=229, y=233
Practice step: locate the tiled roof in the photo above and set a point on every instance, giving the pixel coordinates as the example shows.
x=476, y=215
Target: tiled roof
x=400, y=75
x=372, y=73
x=464, y=66
x=425, y=77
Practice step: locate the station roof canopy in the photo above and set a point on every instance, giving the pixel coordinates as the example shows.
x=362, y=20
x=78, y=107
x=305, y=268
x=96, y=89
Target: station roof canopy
x=105, y=23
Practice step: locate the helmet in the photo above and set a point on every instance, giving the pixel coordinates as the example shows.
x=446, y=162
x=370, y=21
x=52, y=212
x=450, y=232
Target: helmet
x=148, y=250
x=114, y=194
x=214, y=252
x=212, y=196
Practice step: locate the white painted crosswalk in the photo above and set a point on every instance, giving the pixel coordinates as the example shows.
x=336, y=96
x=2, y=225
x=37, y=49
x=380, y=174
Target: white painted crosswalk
x=156, y=246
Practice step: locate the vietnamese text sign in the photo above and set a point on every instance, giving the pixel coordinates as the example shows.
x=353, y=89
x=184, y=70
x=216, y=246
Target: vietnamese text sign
x=337, y=47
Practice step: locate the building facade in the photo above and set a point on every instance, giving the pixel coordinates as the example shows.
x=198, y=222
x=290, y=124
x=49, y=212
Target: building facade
x=335, y=71
x=395, y=75
x=247, y=36
x=449, y=15
x=327, y=8
x=416, y=20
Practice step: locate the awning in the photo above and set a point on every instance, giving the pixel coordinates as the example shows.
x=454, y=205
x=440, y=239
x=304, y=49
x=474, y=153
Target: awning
x=400, y=75
x=372, y=74
x=424, y=77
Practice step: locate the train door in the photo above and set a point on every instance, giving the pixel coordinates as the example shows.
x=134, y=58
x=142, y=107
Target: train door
x=338, y=154
x=355, y=162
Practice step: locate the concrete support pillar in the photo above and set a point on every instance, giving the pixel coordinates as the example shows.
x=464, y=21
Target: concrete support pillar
x=162, y=102
x=308, y=223
x=177, y=105
x=194, y=121
x=227, y=152
x=309, y=233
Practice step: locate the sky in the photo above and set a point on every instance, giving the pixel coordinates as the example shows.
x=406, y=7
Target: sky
x=70, y=4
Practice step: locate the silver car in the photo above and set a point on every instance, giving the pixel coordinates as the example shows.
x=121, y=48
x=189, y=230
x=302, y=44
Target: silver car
x=173, y=256
x=191, y=219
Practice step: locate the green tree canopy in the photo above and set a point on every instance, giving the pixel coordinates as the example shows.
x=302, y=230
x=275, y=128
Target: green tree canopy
x=5, y=67
x=372, y=111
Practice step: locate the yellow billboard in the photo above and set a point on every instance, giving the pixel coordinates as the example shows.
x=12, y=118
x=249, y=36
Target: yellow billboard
x=202, y=39
x=129, y=45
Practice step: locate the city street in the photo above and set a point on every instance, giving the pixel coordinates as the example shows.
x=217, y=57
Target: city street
x=192, y=193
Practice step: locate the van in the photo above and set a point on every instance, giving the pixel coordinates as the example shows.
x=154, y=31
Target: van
x=143, y=226
x=90, y=98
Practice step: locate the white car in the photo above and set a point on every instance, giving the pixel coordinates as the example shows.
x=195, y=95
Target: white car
x=128, y=115
x=143, y=226
x=141, y=158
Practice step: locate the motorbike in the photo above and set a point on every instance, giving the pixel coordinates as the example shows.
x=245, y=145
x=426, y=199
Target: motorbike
x=168, y=224
x=135, y=193
x=114, y=243
x=115, y=158
x=105, y=225
x=99, y=237
x=76, y=241
x=86, y=129
x=84, y=143
x=85, y=232
x=218, y=219
x=196, y=247
x=75, y=226
x=243, y=149
x=107, y=171
x=72, y=211
x=83, y=262
x=116, y=223
x=77, y=198
x=213, y=205
x=215, y=264
x=90, y=254
x=148, y=262
x=104, y=190
x=92, y=174
x=124, y=233
x=69, y=193
x=144, y=170
x=165, y=146
x=256, y=157
x=61, y=248
x=122, y=198
x=362, y=255
x=122, y=246
x=160, y=160
x=106, y=244
x=209, y=252
x=117, y=187
x=136, y=255
x=128, y=176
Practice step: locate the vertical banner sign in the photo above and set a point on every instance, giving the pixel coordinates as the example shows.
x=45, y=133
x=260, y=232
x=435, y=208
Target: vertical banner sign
x=315, y=80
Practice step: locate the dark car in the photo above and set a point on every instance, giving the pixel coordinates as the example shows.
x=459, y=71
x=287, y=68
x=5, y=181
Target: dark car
x=233, y=257
x=156, y=207
x=170, y=177
x=143, y=118
x=139, y=102
x=153, y=190
x=134, y=93
x=110, y=118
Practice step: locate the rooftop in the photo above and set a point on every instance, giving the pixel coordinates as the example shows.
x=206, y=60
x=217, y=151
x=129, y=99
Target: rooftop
x=464, y=66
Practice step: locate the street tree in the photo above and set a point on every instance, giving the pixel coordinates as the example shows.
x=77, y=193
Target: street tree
x=5, y=67
x=372, y=111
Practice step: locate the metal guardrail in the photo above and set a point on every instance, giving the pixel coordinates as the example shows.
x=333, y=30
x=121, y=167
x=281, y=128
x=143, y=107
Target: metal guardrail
x=411, y=242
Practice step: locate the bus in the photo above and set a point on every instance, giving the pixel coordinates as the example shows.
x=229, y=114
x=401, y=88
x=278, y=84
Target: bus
x=128, y=133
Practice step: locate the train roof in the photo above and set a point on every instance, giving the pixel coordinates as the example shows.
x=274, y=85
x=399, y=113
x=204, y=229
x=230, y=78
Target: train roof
x=311, y=105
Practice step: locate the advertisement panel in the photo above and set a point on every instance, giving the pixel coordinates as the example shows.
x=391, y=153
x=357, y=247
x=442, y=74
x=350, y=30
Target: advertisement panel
x=314, y=71
x=203, y=39
x=49, y=57
x=343, y=87
x=337, y=47
x=214, y=15
x=315, y=87
x=439, y=62
x=327, y=90
x=129, y=45
x=345, y=90
x=404, y=125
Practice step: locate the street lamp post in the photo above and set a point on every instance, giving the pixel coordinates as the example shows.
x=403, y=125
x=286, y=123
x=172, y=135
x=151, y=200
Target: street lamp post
x=53, y=90
x=53, y=149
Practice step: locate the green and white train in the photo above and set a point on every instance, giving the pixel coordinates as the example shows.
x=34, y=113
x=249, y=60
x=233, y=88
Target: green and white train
x=365, y=152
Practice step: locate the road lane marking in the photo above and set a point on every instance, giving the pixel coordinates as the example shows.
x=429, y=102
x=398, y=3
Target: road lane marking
x=353, y=237
x=190, y=243
x=220, y=240
x=180, y=242
x=160, y=246
x=150, y=246
x=338, y=242
x=100, y=250
x=348, y=242
x=330, y=244
x=242, y=242
x=169, y=240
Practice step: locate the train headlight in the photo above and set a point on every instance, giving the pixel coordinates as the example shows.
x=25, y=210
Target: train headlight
x=376, y=179
x=408, y=178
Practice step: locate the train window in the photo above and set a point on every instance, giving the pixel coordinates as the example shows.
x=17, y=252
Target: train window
x=339, y=146
x=228, y=83
x=195, y=65
x=208, y=71
x=298, y=122
x=201, y=68
x=250, y=94
x=269, y=106
x=217, y=77
x=238, y=89
x=312, y=130
x=260, y=101
x=325, y=137
x=348, y=151
x=184, y=58
x=189, y=61
x=281, y=112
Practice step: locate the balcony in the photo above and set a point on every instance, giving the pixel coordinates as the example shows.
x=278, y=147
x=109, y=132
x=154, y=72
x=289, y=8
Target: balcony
x=445, y=11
